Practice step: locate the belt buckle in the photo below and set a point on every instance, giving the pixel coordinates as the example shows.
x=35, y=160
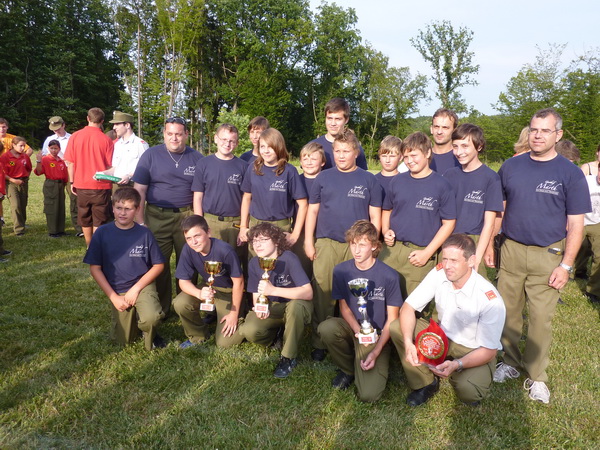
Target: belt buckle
x=221, y=219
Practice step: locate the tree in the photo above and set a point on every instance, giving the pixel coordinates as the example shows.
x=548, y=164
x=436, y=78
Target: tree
x=447, y=51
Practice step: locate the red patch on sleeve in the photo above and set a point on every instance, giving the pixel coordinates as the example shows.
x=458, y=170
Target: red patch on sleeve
x=440, y=266
x=491, y=295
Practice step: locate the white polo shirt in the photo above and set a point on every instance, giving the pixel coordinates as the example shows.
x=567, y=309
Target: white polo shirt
x=61, y=140
x=472, y=316
x=127, y=154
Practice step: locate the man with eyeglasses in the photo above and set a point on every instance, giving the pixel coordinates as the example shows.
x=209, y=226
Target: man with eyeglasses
x=163, y=177
x=216, y=186
x=545, y=198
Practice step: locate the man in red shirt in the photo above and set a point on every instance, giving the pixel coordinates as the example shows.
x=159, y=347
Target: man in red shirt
x=89, y=151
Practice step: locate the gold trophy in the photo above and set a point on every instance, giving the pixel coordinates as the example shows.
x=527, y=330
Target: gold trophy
x=212, y=268
x=262, y=303
x=360, y=289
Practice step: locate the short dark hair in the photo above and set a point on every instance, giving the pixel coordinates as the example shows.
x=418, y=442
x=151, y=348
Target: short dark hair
x=543, y=113
x=259, y=122
x=462, y=242
x=178, y=121
x=364, y=228
x=272, y=232
x=18, y=139
x=416, y=141
x=96, y=115
x=194, y=221
x=124, y=194
x=4, y=121
x=448, y=113
x=53, y=142
x=569, y=150
x=338, y=104
x=472, y=131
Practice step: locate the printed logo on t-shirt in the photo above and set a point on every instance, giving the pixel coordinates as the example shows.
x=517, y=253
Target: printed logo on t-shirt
x=377, y=294
x=279, y=186
x=548, y=187
x=427, y=203
x=139, y=251
x=475, y=197
x=282, y=280
x=358, y=192
x=235, y=178
x=190, y=171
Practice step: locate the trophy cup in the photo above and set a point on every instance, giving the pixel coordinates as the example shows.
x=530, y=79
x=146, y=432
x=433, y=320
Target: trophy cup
x=212, y=268
x=360, y=289
x=262, y=303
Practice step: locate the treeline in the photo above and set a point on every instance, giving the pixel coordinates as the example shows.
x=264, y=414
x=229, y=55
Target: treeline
x=235, y=59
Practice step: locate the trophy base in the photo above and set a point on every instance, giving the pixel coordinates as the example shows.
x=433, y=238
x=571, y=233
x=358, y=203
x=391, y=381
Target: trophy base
x=261, y=307
x=207, y=306
x=370, y=338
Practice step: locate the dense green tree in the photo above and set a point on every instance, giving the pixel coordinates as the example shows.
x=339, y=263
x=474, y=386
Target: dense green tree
x=447, y=51
x=61, y=62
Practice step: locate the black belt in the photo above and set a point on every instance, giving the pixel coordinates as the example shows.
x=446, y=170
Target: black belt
x=173, y=210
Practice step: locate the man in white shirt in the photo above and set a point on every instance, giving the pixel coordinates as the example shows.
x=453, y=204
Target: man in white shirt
x=128, y=148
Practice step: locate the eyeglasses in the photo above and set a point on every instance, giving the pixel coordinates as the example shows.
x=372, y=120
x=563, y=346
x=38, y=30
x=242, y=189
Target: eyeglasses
x=231, y=142
x=177, y=120
x=260, y=240
x=544, y=132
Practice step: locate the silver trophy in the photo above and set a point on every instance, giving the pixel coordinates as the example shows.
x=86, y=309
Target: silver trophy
x=262, y=302
x=360, y=289
x=212, y=268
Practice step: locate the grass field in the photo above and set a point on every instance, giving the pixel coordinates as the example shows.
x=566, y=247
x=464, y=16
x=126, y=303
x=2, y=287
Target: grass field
x=63, y=384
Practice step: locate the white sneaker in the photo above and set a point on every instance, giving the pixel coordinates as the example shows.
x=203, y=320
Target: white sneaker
x=537, y=390
x=505, y=372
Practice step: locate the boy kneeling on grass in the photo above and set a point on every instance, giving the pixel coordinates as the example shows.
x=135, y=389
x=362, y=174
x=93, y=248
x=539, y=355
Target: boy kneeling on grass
x=288, y=290
x=125, y=260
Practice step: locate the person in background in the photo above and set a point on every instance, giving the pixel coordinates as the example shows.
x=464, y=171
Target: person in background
x=17, y=168
x=255, y=128
x=443, y=123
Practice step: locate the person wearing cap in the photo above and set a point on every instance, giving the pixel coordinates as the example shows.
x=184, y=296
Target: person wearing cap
x=128, y=148
x=6, y=138
x=58, y=125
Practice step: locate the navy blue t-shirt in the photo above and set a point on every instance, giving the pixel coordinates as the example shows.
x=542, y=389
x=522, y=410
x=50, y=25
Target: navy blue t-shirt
x=384, y=289
x=273, y=196
x=125, y=256
x=418, y=206
x=192, y=262
x=220, y=180
x=288, y=273
x=344, y=198
x=440, y=162
x=539, y=195
x=168, y=186
x=384, y=182
x=361, y=161
x=476, y=192
x=248, y=157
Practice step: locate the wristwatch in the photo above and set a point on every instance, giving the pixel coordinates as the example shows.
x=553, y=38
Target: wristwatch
x=460, y=365
x=566, y=267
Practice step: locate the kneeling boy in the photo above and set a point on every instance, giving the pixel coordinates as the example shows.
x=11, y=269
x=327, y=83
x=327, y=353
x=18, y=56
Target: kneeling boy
x=289, y=291
x=226, y=291
x=367, y=364
x=125, y=260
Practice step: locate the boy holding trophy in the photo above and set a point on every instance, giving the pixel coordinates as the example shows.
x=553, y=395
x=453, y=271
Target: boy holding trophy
x=202, y=255
x=281, y=292
x=368, y=292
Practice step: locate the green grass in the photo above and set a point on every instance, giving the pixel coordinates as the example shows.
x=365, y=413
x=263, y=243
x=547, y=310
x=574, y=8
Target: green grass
x=63, y=384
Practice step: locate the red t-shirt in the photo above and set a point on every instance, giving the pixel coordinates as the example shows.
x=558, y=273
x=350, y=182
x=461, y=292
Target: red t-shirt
x=15, y=166
x=53, y=168
x=90, y=151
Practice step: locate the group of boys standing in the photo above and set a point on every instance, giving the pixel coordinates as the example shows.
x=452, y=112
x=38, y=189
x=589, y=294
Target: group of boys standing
x=192, y=205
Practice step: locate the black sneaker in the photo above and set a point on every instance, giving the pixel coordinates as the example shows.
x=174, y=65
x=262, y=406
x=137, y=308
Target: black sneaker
x=318, y=354
x=284, y=367
x=52, y=235
x=158, y=341
x=80, y=234
x=420, y=396
x=342, y=380
x=3, y=260
x=6, y=253
x=592, y=298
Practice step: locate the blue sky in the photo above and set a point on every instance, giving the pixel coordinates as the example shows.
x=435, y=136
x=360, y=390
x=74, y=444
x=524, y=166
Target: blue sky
x=505, y=35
